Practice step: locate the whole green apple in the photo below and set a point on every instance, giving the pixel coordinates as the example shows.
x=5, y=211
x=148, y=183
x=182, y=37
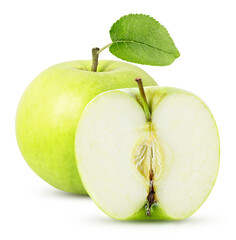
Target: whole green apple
x=50, y=109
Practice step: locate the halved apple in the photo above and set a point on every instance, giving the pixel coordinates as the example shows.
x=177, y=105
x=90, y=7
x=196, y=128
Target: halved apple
x=139, y=166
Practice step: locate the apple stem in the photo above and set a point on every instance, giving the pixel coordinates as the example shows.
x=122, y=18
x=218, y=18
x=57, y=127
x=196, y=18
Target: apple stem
x=95, y=59
x=143, y=99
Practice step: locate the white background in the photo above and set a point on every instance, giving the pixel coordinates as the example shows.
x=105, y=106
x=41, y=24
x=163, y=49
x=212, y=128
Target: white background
x=37, y=34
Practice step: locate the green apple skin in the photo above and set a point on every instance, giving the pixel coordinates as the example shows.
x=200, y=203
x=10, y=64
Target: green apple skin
x=50, y=109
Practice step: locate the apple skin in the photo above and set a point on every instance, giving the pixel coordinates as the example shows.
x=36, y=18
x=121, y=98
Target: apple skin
x=50, y=109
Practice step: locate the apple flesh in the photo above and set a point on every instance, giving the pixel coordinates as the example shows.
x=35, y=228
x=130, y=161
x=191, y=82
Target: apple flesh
x=137, y=169
x=49, y=110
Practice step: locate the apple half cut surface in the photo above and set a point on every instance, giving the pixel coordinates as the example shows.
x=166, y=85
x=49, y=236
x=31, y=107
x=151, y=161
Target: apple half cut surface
x=138, y=168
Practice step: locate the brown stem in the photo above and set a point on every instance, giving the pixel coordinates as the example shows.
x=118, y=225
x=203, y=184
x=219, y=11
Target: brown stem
x=143, y=99
x=95, y=59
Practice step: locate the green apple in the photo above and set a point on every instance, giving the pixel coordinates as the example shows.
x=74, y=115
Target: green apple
x=49, y=111
x=139, y=165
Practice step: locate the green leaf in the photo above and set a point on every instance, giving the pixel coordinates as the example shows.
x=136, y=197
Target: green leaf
x=141, y=39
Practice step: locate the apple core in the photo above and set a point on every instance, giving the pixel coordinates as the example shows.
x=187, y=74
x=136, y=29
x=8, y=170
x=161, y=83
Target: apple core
x=148, y=161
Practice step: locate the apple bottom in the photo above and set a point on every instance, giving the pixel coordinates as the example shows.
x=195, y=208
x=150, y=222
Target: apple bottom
x=137, y=169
